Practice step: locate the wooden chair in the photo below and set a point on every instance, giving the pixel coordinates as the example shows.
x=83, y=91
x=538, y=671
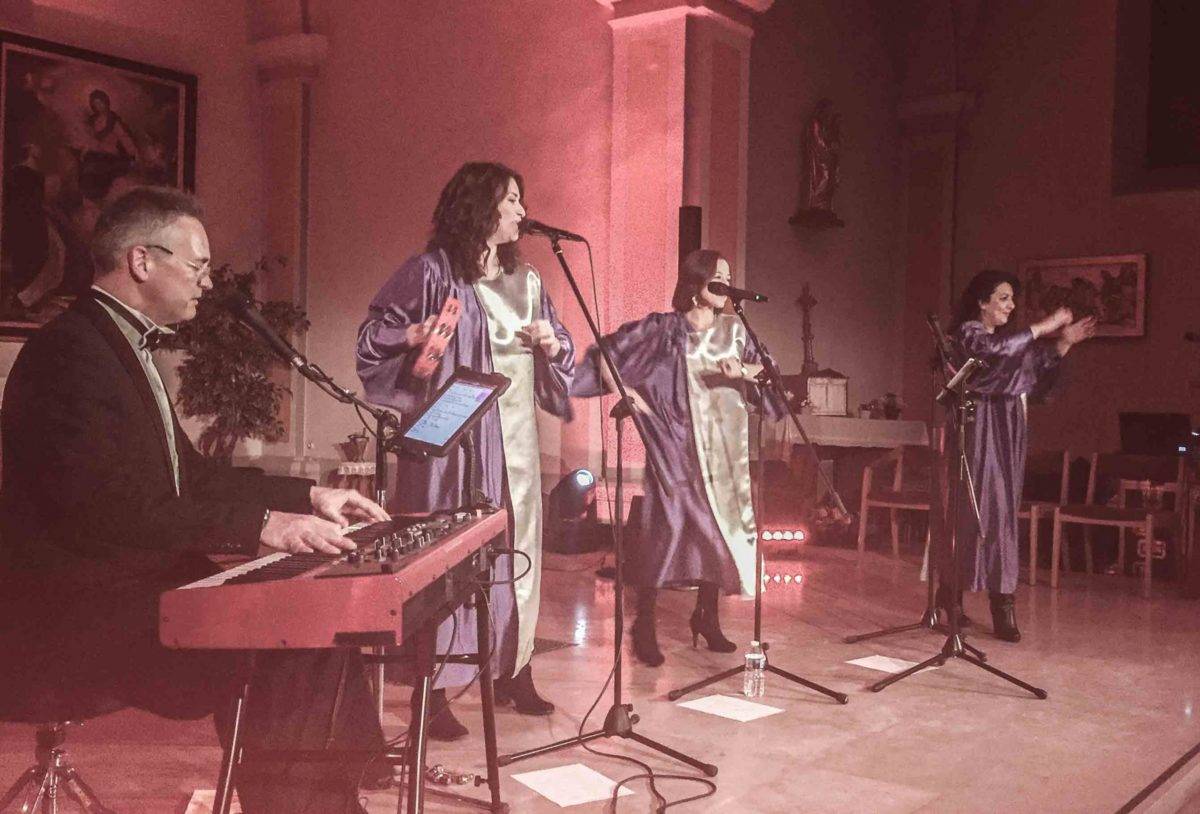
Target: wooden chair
x=1123, y=471
x=910, y=488
x=1053, y=464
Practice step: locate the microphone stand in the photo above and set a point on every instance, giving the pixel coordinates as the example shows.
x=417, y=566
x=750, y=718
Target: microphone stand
x=955, y=645
x=929, y=618
x=620, y=720
x=386, y=422
x=773, y=381
x=387, y=425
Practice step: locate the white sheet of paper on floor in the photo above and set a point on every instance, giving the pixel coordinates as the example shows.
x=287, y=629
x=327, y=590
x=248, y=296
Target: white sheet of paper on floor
x=570, y=785
x=728, y=706
x=204, y=801
x=885, y=664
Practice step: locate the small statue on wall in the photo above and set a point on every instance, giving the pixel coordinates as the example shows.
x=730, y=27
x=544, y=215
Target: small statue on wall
x=820, y=155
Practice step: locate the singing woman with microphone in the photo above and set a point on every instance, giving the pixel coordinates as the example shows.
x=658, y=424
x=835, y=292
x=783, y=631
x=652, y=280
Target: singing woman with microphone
x=689, y=373
x=507, y=325
x=1018, y=362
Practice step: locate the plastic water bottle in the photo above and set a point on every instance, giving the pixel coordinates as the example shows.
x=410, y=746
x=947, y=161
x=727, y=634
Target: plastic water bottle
x=754, y=681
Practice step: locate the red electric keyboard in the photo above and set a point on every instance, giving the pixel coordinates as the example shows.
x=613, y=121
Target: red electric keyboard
x=403, y=574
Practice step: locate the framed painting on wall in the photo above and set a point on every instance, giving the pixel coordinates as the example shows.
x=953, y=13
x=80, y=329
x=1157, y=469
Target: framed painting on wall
x=76, y=129
x=1112, y=289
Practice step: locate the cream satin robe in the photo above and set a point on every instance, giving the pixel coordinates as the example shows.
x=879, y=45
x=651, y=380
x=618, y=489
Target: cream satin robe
x=511, y=302
x=721, y=429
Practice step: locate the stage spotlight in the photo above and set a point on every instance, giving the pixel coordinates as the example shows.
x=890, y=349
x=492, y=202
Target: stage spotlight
x=571, y=515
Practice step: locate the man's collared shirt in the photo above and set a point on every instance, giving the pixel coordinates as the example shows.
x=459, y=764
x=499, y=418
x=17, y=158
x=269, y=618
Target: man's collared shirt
x=139, y=329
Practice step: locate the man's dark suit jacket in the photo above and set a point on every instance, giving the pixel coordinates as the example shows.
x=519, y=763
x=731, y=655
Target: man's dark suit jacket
x=91, y=530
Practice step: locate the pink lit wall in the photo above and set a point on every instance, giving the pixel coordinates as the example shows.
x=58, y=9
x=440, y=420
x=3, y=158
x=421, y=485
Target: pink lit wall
x=1034, y=182
x=404, y=96
x=401, y=102
x=209, y=40
x=801, y=53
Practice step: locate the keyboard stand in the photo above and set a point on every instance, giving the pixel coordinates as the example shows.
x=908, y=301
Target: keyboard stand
x=426, y=657
x=414, y=757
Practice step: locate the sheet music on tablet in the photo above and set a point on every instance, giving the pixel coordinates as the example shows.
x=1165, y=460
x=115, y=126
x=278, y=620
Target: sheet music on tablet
x=448, y=412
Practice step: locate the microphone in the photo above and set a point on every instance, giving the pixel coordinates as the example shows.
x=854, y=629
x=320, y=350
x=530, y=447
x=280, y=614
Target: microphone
x=969, y=368
x=722, y=290
x=252, y=318
x=529, y=226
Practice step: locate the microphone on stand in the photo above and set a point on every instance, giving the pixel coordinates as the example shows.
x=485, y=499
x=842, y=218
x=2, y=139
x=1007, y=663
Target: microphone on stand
x=529, y=226
x=245, y=313
x=722, y=290
x=969, y=368
x=946, y=352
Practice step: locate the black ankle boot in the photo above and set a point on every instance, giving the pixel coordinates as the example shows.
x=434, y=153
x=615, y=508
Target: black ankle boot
x=1004, y=617
x=440, y=723
x=645, y=633
x=948, y=604
x=706, y=622
x=524, y=695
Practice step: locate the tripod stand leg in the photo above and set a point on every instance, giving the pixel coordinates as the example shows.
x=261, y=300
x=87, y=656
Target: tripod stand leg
x=707, y=768
x=504, y=760
x=888, y=631
x=43, y=790
x=970, y=648
x=82, y=793
x=840, y=697
x=932, y=661
x=27, y=778
x=975, y=651
x=1037, y=691
x=690, y=688
x=618, y=723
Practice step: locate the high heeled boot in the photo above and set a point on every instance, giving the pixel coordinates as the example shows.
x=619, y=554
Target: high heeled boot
x=645, y=634
x=440, y=723
x=951, y=604
x=706, y=622
x=520, y=691
x=1004, y=616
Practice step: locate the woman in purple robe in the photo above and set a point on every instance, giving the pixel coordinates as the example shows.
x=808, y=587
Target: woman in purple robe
x=1018, y=363
x=507, y=325
x=689, y=373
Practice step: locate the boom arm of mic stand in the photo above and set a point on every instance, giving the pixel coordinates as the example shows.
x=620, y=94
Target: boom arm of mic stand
x=775, y=380
x=386, y=422
x=634, y=415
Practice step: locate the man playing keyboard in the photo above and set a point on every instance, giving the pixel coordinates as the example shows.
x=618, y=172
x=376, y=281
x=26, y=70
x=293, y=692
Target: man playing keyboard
x=105, y=504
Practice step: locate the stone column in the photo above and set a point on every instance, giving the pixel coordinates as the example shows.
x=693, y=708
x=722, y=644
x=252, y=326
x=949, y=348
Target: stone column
x=681, y=78
x=929, y=154
x=287, y=56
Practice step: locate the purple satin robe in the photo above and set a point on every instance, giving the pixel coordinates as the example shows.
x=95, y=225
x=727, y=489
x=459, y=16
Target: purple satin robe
x=383, y=359
x=996, y=447
x=677, y=540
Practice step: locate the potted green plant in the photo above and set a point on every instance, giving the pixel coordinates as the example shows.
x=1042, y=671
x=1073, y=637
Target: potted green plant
x=226, y=375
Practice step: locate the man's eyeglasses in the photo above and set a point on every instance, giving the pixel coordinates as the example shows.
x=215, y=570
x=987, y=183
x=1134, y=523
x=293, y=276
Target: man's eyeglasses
x=200, y=268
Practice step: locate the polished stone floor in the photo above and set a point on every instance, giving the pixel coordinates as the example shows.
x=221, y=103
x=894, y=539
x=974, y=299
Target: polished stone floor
x=1123, y=676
